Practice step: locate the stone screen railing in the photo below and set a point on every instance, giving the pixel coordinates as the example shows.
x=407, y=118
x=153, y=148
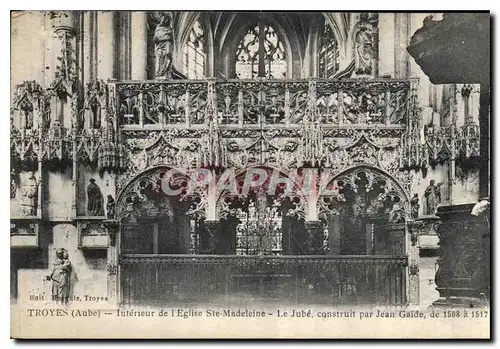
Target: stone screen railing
x=263, y=102
x=230, y=279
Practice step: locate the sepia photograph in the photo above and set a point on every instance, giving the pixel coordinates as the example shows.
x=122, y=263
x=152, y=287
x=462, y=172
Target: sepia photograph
x=250, y=174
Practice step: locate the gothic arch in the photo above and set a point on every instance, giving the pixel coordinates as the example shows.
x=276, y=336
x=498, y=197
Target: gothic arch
x=383, y=192
x=186, y=22
x=231, y=35
x=297, y=198
x=150, y=178
x=340, y=24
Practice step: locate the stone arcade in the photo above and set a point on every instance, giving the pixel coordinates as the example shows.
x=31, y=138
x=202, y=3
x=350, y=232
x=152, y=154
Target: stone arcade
x=104, y=104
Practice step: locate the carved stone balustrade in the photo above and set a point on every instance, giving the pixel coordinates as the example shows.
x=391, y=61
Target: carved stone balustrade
x=255, y=102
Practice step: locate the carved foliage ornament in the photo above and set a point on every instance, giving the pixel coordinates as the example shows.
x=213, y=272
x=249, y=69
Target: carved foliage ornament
x=145, y=197
x=363, y=151
x=370, y=191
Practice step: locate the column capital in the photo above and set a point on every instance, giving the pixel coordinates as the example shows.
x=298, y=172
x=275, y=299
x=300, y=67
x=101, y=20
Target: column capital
x=62, y=21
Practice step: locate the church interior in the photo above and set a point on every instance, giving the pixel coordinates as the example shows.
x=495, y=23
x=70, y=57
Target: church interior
x=107, y=107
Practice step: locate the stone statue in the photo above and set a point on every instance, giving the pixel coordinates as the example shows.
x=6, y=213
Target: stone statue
x=415, y=206
x=61, y=277
x=29, y=196
x=164, y=46
x=94, y=199
x=432, y=196
x=363, y=49
x=110, y=207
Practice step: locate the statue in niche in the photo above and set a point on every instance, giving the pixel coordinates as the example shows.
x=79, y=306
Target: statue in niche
x=110, y=207
x=94, y=199
x=415, y=206
x=164, y=46
x=29, y=196
x=432, y=196
x=363, y=48
x=27, y=118
x=61, y=277
x=95, y=109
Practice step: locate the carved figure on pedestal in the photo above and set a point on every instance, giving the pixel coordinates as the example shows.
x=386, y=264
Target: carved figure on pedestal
x=29, y=196
x=61, y=277
x=27, y=118
x=363, y=49
x=164, y=46
x=94, y=199
x=110, y=207
x=432, y=197
x=415, y=206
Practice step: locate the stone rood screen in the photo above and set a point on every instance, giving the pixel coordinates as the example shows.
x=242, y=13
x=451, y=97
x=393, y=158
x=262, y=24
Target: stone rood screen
x=245, y=174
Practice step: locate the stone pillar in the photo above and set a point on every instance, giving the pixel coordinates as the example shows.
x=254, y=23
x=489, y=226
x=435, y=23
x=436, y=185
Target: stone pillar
x=396, y=239
x=334, y=234
x=139, y=45
x=112, y=263
x=463, y=276
x=387, y=33
x=209, y=241
x=401, y=40
x=414, y=230
x=107, y=49
x=89, y=45
x=314, y=231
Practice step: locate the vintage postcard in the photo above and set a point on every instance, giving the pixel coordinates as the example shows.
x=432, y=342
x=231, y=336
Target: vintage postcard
x=218, y=174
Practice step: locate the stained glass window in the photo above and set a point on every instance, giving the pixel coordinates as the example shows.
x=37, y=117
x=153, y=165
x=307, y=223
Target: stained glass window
x=247, y=54
x=193, y=55
x=328, y=54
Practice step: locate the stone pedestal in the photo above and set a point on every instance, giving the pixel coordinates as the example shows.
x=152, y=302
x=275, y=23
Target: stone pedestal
x=314, y=231
x=463, y=277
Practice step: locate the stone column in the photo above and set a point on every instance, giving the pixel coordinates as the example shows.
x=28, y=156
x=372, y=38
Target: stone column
x=396, y=239
x=414, y=230
x=401, y=40
x=463, y=276
x=89, y=45
x=210, y=237
x=107, y=49
x=139, y=45
x=112, y=263
x=314, y=231
x=386, y=44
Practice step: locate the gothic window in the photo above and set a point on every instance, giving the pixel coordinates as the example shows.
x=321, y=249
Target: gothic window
x=193, y=55
x=327, y=54
x=261, y=55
